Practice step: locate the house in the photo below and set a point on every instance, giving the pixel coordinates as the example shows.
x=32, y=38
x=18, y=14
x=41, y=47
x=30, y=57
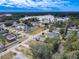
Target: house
x=23, y=27
x=27, y=28
x=2, y=25
x=40, y=38
x=1, y=46
x=1, y=30
x=19, y=56
x=20, y=27
x=15, y=24
x=53, y=34
x=11, y=37
x=35, y=24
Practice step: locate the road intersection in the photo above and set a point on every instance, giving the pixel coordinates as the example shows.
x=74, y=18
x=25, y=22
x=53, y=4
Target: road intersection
x=30, y=37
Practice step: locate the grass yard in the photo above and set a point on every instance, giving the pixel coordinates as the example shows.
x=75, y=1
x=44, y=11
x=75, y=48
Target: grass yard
x=36, y=31
x=3, y=40
x=21, y=49
x=25, y=51
x=21, y=38
x=32, y=42
x=8, y=55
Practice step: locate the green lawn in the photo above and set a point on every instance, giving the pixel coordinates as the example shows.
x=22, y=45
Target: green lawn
x=3, y=40
x=32, y=42
x=36, y=31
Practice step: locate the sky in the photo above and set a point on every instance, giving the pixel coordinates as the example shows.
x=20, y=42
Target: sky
x=39, y=5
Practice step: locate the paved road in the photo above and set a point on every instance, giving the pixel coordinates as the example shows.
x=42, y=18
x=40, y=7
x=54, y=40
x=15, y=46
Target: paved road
x=31, y=37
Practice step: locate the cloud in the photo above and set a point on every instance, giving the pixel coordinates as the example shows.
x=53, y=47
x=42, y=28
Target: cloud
x=40, y=4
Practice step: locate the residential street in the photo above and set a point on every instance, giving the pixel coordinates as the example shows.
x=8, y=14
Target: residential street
x=30, y=37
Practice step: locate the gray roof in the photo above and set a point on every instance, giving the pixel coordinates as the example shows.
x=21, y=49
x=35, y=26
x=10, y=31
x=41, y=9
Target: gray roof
x=19, y=56
x=1, y=45
x=10, y=37
x=53, y=34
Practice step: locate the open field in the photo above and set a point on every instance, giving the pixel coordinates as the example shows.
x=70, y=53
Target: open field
x=36, y=30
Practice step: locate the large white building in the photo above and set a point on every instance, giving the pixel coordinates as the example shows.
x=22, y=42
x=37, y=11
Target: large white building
x=42, y=19
x=46, y=18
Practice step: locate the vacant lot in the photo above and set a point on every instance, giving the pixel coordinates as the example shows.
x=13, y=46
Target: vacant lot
x=36, y=30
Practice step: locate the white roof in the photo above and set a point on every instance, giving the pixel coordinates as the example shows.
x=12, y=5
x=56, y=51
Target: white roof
x=43, y=16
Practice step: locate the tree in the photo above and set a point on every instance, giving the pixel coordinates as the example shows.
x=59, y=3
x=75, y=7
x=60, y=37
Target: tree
x=27, y=22
x=71, y=43
x=74, y=20
x=75, y=45
x=34, y=20
x=41, y=51
x=62, y=33
x=53, y=44
x=72, y=55
x=46, y=25
x=8, y=23
x=60, y=24
x=51, y=27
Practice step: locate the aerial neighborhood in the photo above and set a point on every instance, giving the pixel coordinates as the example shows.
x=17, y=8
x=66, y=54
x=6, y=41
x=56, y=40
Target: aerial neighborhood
x=39, y=37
